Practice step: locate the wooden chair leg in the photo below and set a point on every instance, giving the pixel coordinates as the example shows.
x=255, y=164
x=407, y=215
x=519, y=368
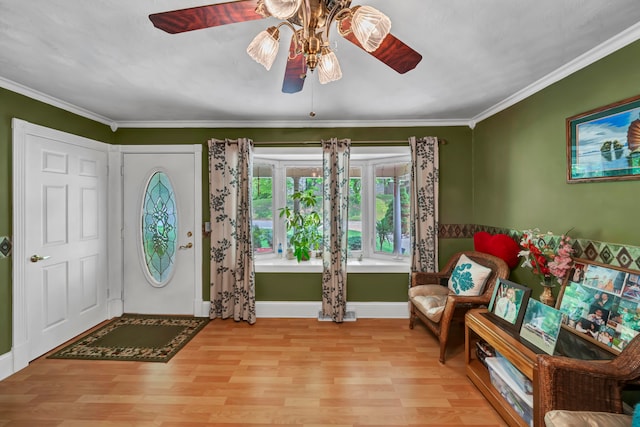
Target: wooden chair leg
x=443, y=348
x=412, y=317
x=443, y=335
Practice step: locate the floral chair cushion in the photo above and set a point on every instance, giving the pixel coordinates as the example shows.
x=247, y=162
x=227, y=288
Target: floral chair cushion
x=468, y=277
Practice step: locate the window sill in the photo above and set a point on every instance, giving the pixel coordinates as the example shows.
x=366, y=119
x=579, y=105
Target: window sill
x=367, y=265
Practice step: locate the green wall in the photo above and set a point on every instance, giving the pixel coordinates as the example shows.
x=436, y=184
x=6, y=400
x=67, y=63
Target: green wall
x=361, y=287
x=519, y=158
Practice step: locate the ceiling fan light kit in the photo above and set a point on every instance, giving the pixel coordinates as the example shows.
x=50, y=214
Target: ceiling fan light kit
x=282, y=9
x=370, y=26
x=328, y=67
x=264, y=47
x=310, y=22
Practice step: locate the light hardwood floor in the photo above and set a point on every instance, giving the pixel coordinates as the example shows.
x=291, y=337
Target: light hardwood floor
x=286, y=372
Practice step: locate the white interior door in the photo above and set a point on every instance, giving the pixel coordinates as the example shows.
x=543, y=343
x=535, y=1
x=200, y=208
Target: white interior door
x=160, y=275
x=64, y=258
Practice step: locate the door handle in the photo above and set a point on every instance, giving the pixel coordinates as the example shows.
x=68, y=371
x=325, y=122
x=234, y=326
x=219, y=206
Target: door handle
x=36, y=258
x=187, y=246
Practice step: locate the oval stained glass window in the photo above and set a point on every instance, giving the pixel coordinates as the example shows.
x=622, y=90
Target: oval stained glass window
x=159, y=227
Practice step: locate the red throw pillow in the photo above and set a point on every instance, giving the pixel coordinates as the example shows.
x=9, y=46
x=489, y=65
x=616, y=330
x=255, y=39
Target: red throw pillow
x=499, y=245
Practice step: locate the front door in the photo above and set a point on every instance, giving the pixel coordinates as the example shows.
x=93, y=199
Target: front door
x=160, y=258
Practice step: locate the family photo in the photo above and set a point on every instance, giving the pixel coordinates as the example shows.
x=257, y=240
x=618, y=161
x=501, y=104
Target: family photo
x=602, y=305
x=507, y=302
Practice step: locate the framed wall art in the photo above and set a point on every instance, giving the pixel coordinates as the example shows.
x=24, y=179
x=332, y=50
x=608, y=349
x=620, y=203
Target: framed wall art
x=602, y=304
x=508, y=303
x=604, y=144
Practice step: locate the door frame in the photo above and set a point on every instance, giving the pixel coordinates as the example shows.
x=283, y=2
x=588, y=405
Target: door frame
x=20, y=350
x=116, y=221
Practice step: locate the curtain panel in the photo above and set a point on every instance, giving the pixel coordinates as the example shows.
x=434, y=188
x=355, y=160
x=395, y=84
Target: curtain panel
x=335, y=166
x=232, y=270
x=424, y=203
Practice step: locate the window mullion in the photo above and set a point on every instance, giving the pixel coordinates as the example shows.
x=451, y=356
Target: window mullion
x=368, y=210
x=279, y=200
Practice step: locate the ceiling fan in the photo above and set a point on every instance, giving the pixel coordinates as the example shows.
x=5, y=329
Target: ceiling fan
x=310, y=22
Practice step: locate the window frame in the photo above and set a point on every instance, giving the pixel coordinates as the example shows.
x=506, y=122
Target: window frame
x=379, y=155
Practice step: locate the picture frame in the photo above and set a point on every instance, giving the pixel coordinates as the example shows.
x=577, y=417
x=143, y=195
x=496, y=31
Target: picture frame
x=603, y=144
x=601, y=304
x=541, y=325
x=508, y=301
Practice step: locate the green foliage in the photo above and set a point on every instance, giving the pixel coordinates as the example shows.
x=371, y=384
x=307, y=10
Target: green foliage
x=262, y=188
x=262, y=237
x=405, y=207
x=381, y=208
x=384, y=217
x=383, y=230
x=354, y=240
x=303, y=224
x=262, y=208
x=355, y=199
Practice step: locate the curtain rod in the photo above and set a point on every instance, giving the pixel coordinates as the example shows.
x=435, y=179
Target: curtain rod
x=388, y=141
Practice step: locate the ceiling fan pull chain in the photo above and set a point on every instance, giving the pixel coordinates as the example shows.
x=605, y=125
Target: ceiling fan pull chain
x=313, y=84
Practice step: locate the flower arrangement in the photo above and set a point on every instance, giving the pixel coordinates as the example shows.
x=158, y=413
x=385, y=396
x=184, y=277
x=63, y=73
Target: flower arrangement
x=542, y=259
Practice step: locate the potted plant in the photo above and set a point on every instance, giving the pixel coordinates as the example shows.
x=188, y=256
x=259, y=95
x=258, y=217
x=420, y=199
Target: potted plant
x=303, y=224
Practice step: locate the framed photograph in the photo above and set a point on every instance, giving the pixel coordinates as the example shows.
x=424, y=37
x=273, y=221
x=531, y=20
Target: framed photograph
x=541, y=325
x=508, y=302
x=602, y=304
x=604, y=144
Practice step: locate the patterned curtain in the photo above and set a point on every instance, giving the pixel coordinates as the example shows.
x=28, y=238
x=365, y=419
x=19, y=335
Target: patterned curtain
x=232, y=273
x=424, y=203
x=335, y=166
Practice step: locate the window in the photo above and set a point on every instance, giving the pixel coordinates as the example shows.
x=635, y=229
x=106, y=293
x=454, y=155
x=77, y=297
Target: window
x=379, y=202
x=262, y=215
x=159, y=225
x=392, y=208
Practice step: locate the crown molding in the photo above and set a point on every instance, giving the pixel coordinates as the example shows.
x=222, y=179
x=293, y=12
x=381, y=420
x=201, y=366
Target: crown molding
x=604, y=49
x=291, y=124
x=50, y=100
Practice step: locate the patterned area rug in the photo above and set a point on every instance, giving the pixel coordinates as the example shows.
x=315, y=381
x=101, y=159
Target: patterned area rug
x=140, y=338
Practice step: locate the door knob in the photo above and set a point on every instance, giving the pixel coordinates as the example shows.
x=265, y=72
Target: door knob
x=187, y=246
x=36, y=258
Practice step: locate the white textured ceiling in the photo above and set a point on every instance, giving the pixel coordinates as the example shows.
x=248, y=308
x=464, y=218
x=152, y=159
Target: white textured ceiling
x=104, y=59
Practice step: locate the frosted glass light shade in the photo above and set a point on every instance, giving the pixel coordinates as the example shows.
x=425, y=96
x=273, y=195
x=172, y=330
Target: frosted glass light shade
x=264, y=47
x=328, y=67
x=282, y=9
x=370, y=26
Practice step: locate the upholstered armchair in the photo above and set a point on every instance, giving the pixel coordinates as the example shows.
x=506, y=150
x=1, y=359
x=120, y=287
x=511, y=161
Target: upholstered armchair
x=586, y=392
x=467, y=281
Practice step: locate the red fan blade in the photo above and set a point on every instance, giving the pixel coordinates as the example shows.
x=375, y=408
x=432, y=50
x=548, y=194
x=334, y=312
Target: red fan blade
x=392, y=51
x=296, y=70
x=213, y=15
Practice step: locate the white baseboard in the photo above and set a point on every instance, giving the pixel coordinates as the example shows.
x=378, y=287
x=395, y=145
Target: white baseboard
x=6, y=365
x=309, y=309
x=203, y=309
x=115, y=308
